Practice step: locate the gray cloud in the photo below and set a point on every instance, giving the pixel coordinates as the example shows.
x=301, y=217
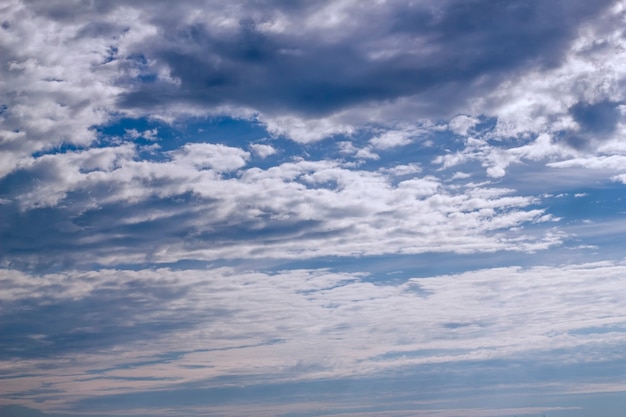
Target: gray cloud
x=315, y=70
x=597, y=121
x=281, y=58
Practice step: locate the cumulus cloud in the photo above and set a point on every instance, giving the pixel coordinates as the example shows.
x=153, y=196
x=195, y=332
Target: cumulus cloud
x=312, y=73
x=462, y=124
x=391, y=139
x=263, y=151
x=150, y=134
x=496, y=159
x=218, y=157
x=296, y=66
x=298, y=209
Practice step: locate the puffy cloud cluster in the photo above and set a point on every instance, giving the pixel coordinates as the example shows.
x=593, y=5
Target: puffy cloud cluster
x=107, y=205
x=571, y=114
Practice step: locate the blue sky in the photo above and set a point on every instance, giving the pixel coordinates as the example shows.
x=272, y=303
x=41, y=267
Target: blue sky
x=330, y=208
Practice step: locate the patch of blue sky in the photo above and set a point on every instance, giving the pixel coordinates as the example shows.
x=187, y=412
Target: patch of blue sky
x=590, y=204
x=61, y=148
x=393, y=269
x=242, y=133
x=221, y=129
x=229, y=131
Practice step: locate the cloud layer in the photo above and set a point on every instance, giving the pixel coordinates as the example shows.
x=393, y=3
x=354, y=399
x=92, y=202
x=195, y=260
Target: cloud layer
x=298, y=326
x=236, y=208
x=104, y=206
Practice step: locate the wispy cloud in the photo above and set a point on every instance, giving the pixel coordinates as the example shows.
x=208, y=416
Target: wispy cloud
x=298, y=325
x=236, y=207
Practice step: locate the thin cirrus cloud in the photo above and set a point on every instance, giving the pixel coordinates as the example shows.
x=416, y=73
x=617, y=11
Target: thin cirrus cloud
x=292, y=208
x=300, y=326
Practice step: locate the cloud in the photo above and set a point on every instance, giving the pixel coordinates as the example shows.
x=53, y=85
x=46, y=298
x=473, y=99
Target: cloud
x=150, y=134
x=462, y=124
x=596, y=122
x=175, y=176
x=310, y=74
x=306, y=130
x=263, y=151
x=496, y=159
x=297, y=66
x=218, y=157
x=296, y=326
x=391, y=139
x=285, y=59
x=107, y=205
x=19, y=411
x=55, y=86
x=600, y=118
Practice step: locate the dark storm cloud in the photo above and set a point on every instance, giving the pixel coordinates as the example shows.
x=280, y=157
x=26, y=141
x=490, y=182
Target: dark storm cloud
x=596, y=121
x=316, y=72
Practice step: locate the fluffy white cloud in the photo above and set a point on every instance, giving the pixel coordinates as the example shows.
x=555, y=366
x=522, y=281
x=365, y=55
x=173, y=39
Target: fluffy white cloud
x=497, y=159
x=297, y=209
x=304, y=130
x=218, y=157
x=391, y=139
x=56, y=84
x=263, y=151
x=462, y=124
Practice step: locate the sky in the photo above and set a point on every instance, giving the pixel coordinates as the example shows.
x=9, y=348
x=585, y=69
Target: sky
x=295, y=208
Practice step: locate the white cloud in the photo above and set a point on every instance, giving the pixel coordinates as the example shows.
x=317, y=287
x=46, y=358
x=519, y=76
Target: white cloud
x=535, y=108
x=218, y=157
x=263, y=151
x=462, y=124
x=306, y=130
x=150, y=134
x=460, y=176
x=392, y=139
x=401, y=170
x=55, y=175
x=56, y=84
x=314, y=208
x=339, y=324
x=497, y=159
x=609, y=163
x=348, y=148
